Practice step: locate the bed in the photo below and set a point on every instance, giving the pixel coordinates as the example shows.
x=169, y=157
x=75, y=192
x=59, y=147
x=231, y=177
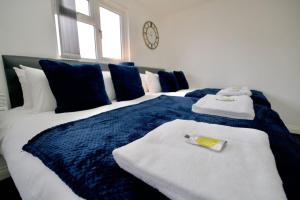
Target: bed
x=43, y=177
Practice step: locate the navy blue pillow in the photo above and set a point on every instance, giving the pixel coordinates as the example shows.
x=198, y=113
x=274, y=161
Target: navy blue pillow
x=127, y=82
x=168, y=81
x=129, y=64
x=182, y=82
x=75, y=87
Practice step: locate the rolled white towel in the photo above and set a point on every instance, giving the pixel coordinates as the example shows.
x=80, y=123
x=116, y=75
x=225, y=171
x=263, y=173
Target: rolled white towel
x=235, y=91
x=245, y=169
x=237, y=107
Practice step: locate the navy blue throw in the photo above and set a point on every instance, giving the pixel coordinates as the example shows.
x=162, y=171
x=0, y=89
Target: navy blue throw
x=80, y=152
x=182, y=82
x=257, y=96
x=129, y=64
x=75, y=87
x=127, y=82
x=168, y=81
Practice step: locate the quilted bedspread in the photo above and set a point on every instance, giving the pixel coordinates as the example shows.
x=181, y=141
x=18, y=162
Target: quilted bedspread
x=80, y=152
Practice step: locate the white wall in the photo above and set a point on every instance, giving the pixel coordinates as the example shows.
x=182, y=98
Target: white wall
x=27, y=28
x=239, y=42
x=138, y=15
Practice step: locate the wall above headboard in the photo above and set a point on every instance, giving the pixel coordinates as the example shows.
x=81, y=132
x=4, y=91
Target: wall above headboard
x=13, y=84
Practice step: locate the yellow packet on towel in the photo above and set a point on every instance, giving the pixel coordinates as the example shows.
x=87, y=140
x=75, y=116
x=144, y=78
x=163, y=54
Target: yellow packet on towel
x=207, y=142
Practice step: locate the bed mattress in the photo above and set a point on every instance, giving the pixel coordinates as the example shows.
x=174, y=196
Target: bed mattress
x=26, y=169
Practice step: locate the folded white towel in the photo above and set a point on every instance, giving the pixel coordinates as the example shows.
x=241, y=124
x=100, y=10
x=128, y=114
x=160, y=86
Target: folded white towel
x=237, y=107
x=235, y=91
x=245, y=169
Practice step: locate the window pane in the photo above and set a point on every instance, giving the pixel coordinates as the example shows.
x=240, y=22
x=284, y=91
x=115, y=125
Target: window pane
x=82, y=6
x=111, y=34
x=57, y=35
x=86, y=35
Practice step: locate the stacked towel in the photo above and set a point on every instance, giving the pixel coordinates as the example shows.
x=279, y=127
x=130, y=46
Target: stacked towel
x=237, y=107
x=245, y=169
x=235, y=91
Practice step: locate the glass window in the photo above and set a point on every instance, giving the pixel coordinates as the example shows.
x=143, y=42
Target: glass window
x=111, y=34
x=100, y=35
x=82, y=6
x=86, y=36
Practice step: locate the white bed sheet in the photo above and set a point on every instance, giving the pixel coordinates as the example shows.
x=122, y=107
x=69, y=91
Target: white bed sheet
x=178, y=93
x=33, y=179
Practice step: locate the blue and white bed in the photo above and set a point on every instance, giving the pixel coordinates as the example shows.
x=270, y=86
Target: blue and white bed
x=69, y=155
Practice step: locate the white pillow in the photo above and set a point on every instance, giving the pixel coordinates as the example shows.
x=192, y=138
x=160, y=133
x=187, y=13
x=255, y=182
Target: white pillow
x=144, y=82
x=25, y=87
x=153, y=82
x=43, y=99
x=109, y=86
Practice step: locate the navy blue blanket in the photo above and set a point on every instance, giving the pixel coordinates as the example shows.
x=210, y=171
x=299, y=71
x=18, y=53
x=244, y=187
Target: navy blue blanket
x=257, y=96
x=80, y=152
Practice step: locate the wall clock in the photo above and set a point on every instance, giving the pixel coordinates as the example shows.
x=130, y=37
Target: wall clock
x=150, y=35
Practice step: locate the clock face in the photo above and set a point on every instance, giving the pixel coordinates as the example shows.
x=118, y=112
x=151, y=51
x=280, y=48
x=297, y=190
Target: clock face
x=150, y=35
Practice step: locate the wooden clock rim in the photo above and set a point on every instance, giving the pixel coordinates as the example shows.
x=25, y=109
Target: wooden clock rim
x=145, y=36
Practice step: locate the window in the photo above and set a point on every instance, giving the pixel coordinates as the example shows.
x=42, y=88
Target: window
x=86, y=37
x=82, y=6
x=93, y=30
x=111, y=34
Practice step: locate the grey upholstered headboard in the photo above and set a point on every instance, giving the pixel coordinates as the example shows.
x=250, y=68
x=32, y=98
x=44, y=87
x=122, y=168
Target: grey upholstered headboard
x=13, y=84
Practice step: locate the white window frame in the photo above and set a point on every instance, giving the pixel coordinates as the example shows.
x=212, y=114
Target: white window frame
x=94, y=20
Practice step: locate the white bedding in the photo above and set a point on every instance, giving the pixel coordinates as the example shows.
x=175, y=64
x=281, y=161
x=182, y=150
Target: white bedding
x=180, y=93
x=32, y=178
x=245, y=169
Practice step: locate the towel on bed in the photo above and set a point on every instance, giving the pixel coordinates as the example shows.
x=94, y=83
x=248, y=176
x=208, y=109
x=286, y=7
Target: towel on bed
x=245, y=169
x=258, y=97
x=235, y=91
x=237, y=107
